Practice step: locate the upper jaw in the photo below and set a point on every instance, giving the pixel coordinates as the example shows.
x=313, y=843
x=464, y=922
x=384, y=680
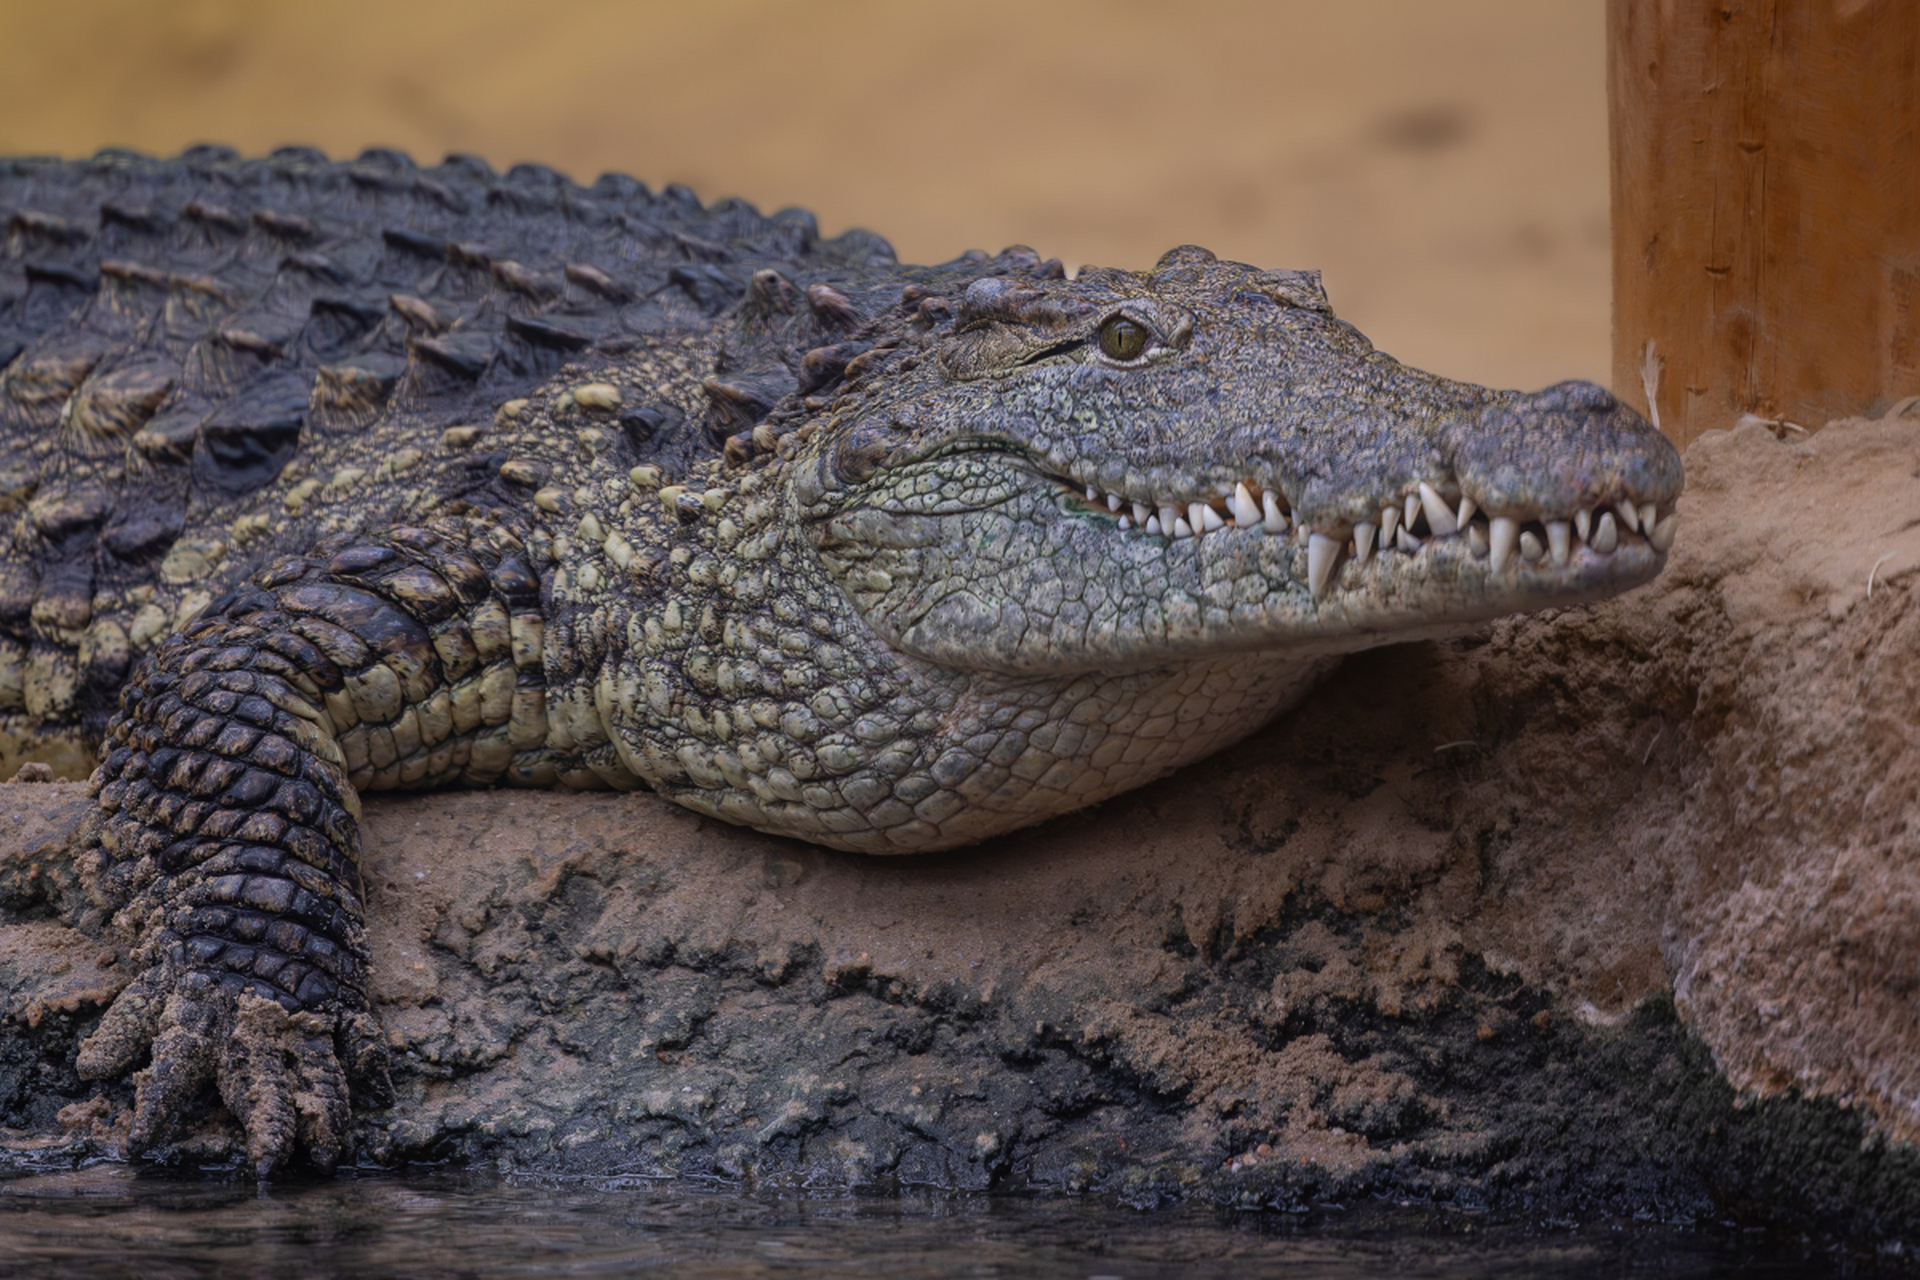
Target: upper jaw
x=1565, y=479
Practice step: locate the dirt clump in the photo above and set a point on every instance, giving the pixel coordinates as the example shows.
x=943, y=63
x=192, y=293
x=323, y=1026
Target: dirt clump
x=1615, y=907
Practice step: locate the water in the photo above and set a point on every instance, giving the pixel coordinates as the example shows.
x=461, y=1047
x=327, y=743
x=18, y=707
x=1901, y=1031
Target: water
x=112, y=1221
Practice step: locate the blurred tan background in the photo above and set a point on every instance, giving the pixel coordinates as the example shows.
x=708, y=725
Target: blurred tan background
x=1443, y=161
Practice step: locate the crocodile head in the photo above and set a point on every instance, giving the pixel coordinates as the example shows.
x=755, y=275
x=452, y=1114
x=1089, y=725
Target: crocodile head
x=1047, y=540
x=1130, y=470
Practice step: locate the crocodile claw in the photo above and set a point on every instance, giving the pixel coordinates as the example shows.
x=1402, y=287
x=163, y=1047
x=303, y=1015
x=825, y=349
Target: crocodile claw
x=284, y=1076
x=280, y=1078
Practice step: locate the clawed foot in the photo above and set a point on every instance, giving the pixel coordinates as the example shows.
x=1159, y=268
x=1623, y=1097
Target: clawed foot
x=283, y=1075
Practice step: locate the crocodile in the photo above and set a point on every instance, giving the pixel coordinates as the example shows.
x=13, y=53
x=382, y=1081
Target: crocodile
x=326, y=478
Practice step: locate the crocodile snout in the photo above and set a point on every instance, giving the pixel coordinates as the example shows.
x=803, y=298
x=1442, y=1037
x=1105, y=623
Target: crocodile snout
x=1557, y=452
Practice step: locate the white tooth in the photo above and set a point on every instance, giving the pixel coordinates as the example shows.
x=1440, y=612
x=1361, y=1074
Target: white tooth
x=1628, y=517
x=1406, y=541
x=1530, y=548
x=1126, y=523
x=1093, y=494
x=1477, y=540
x=1271, y=516
x=1363, y=542
x=1389, y=521
x=1152, y=525
x=1649, y=516
x=1411, y=510
x=1440, y=516
x=1246, y=512
x=1506, y=532
x=1583, y=523
x=1210, y=519
x=1168, y=514
x=1194, y=518
x=1559, y=535
x=1140, y=513
x=1322, y=552
x=1661, y=535
x=1181, y=529
x=1605, y=536
x=1113, y=502
x=1467, y=508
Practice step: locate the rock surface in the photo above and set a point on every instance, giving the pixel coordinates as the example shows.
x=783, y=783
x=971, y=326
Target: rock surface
x=1615, y=908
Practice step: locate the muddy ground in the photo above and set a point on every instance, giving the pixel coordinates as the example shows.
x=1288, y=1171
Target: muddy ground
x=1613, y=908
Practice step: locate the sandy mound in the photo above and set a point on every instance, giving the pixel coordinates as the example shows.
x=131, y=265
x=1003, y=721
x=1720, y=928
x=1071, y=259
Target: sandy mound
x=1419, y=934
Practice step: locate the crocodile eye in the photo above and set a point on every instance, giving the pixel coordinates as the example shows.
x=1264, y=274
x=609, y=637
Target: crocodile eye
x=1123, y=339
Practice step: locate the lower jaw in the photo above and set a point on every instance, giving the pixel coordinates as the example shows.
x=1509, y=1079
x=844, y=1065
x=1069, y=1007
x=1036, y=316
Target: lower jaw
x=1447, y=581
x=1445, y=590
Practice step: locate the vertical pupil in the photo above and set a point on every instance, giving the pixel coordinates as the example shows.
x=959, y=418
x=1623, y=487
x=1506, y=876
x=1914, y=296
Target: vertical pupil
x=1124, y=339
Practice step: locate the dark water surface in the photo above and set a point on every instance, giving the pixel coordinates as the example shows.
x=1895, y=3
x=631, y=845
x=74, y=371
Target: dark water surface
x=113, y=1221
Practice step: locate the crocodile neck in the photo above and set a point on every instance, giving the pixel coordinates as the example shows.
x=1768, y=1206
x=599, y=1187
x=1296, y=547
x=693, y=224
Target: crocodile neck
x=734, y=676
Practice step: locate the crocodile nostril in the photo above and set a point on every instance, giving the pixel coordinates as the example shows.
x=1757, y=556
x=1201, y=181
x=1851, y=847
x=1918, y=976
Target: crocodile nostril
x=1574, y=395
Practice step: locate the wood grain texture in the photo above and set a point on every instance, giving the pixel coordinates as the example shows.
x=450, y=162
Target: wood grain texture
x=1766, y=206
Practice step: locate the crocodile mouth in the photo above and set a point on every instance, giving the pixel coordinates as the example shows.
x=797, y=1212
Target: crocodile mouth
x=1404, y=526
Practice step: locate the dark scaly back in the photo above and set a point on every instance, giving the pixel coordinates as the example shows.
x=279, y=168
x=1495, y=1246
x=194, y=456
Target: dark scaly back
x=181, y=339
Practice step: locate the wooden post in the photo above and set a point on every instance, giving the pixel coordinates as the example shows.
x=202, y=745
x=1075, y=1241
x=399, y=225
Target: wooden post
x=1766, y=206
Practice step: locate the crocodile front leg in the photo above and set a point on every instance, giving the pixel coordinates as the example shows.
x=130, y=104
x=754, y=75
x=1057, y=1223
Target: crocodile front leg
x=229, y=789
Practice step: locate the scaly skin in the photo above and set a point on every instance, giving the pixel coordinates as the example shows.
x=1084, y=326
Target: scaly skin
x=378, y=478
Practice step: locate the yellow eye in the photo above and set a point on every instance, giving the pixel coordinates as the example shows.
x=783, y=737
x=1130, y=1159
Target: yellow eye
x=1123, y=339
